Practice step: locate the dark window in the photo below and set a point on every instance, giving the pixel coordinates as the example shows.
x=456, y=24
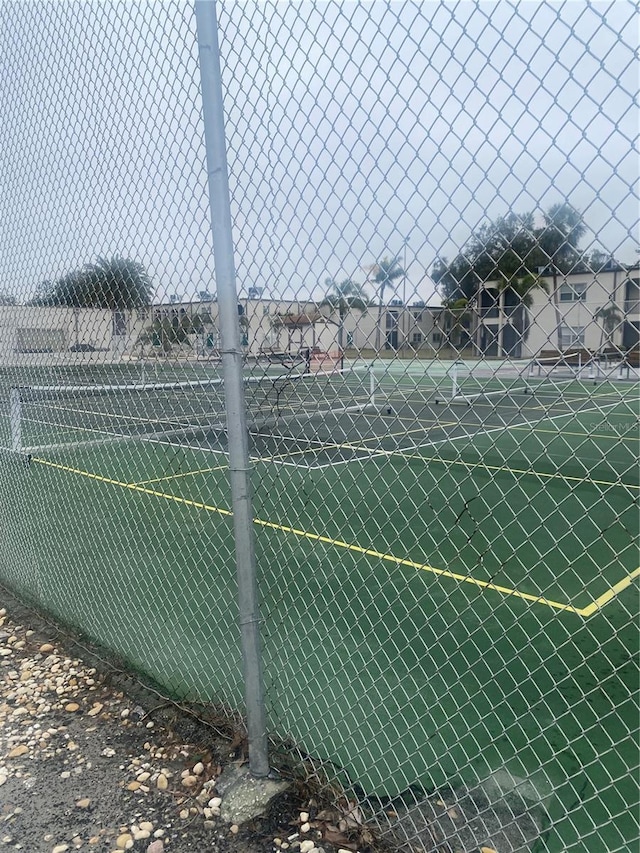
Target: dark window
x=119, y=323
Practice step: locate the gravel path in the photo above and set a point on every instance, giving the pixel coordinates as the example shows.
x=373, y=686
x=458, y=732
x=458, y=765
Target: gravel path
x=86, y=766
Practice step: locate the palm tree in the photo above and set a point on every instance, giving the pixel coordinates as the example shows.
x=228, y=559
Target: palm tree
x=384, y=272
x=610, y=318
x=558, y=241
x=523, y=288
x=456, y=321
x=343, y=297
x=117, y=283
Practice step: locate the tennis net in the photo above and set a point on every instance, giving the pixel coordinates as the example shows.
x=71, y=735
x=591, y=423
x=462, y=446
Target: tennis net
x=468, y=384
x=43, y=417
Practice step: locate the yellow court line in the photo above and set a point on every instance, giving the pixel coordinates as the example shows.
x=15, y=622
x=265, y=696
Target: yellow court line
x=613, y=436
x=610, y=593
x=133, y=487
x=531, y=473
x=426, y=426
x=400, y=561
x=571, y=400
x=377, y=452
x=369, y=552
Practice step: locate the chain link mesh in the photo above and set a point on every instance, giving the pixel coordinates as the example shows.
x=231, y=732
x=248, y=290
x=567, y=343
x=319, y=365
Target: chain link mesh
x=435, y=234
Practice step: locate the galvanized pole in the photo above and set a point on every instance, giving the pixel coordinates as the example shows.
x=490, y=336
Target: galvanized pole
x=232, y=359
x=15, y=419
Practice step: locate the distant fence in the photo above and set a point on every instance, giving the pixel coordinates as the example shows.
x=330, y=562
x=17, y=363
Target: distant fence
x=233, y=464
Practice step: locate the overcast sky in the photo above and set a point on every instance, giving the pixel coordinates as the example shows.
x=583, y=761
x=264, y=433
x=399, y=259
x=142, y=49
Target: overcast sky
x=351, y=128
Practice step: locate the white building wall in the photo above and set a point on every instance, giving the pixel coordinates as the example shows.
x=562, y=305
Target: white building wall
x=568, y=317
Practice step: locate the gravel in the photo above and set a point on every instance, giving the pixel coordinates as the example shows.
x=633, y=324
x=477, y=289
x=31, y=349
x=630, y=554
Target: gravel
x=87, y=765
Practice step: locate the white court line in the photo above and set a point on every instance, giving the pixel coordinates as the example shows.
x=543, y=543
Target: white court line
x=373, y=453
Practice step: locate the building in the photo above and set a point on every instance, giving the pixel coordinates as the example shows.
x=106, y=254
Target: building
x=589, y=310
x=593, y=311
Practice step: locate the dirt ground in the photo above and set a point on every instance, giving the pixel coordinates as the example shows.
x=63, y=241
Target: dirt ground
x=91, y=760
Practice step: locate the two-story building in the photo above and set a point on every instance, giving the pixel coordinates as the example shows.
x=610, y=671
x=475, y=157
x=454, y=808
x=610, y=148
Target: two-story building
x=591, y=310
x=583, y=309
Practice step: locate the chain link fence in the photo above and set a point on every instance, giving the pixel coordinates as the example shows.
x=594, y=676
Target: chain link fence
x=414, y=358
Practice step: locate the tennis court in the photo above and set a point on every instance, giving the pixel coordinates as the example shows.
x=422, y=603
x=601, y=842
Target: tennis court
x=489, y=519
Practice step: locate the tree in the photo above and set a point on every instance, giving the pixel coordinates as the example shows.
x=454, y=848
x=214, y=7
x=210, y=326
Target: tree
x=511, y=253
x=343, y=297
x=501, y=250
x=166, y=332
x=384, y=272
x=523, y=290
x=7, y=298
x=610, y=318
x=559, y=239
x=456, y=320
x=115, y=283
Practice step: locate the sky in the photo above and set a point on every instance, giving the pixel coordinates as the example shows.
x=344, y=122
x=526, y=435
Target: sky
x=354, y=131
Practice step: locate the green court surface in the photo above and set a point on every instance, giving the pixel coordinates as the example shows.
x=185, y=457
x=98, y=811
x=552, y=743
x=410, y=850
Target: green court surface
x=448, y=591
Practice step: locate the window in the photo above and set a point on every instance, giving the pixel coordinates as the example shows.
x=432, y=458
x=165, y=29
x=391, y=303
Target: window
x=417, y=316
x=437, y=337
x=573, y=292
x=416, y=338
x=392, y=319
x=349, y=339
x=632, y=296
x=119, y=323
x=571, y=336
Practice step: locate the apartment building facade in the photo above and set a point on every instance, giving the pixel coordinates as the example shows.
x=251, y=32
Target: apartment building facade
x=580, y=310
x=592, y=311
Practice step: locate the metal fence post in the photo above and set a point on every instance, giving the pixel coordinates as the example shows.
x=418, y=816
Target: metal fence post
x=15, y=419
x=232, y=359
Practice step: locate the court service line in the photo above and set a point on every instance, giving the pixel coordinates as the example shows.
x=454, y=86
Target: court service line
x=611, y=437
x=277, y=459
x=582, y=399
x=338, y=543
x=545, y=475
x=523, y=471
x=449, y=440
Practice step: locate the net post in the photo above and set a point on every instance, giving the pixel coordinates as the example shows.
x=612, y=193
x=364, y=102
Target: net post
x=454, y=380
x=15, y=419
x=232, y=355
